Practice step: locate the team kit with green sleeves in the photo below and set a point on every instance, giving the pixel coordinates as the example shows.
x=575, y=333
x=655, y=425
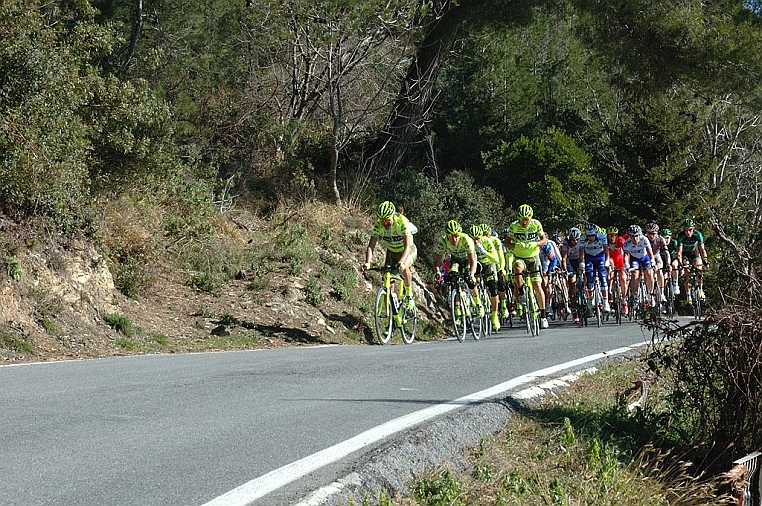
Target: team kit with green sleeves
x=481, y=252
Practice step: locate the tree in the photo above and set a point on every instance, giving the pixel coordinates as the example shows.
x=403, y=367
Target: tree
x=552, y=174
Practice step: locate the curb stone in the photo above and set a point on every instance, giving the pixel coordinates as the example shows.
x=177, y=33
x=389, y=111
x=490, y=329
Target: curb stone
x=434, y=445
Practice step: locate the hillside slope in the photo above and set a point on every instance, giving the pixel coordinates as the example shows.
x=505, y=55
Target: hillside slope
x=296, y=282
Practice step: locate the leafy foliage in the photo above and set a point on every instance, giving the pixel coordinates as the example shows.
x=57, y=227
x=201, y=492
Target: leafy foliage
x=552, y=174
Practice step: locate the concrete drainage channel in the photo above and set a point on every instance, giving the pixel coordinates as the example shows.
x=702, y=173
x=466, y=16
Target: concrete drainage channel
x=443, y=442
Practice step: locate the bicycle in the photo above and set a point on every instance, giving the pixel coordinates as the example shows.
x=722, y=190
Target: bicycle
x=583, y=303
x=640, y=303
x=462, y=309
x=657, y=293
x=484, y=298
x=615, y=290
x=696, y=293
x=559, y=300
x=596, y=299
x=669, y=293
x=391, y=312
x=529, y=304
x=510, y=303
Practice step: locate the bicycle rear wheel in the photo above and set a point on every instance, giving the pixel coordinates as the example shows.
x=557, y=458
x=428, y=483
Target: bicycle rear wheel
x=383, y=317
x=458, y=313
x=562, y=302
x=616, y=302
x=486, y=317
x=582, y=308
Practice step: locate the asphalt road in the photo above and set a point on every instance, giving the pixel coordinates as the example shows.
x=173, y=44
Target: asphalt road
x=189, y=429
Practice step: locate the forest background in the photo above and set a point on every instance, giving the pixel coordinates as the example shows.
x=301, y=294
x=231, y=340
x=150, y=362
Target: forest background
x=183, y=117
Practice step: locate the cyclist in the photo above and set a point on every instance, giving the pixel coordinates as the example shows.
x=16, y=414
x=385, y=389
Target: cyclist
x=570, y=264
x=488, y=257
x=502, y=281
x=508, y=262
x=396, y=232
x=525, y=237
x=550, y=258
x=462, y=254
x=672, y=248
x=690, y=249
x=594, y=255
x=660, y=247
x=637, y=256
x=616, y=261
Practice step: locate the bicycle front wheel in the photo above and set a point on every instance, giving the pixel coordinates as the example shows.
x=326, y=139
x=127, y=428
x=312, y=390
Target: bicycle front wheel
x=533, y=315
x=475, y=323
x=409, y=324
x=561, y=303
x=458, y=313
x=598, y=305
x=383, y=316
x=696, y=303
x=669, y=294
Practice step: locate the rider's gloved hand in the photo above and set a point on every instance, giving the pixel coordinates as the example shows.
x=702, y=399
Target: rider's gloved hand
x=365, y=266
x=438, y=276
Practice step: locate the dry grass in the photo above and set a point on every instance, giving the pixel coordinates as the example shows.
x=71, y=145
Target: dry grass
x=570, y=452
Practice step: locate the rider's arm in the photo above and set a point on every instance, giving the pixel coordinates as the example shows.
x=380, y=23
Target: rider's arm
x=472, y=261
x=501, y=256
x=702, y=252
x=369, y=250
x=492, y=255
x=543, y=240
x=408, y=243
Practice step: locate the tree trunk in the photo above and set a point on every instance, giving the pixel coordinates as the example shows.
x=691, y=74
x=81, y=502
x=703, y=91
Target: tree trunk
x=137, y=27
x=415, y=98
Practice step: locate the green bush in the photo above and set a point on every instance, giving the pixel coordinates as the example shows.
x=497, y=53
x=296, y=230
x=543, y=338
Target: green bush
x=344, y=284
x=313, y=292
x=120, y=323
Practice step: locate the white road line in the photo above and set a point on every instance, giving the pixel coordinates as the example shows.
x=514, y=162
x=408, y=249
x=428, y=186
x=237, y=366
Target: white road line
x=257, y=488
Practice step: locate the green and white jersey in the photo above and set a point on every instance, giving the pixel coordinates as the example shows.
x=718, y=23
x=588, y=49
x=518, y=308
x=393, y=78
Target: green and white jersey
x=461, y=250
x=531, y=233
x=394, y=236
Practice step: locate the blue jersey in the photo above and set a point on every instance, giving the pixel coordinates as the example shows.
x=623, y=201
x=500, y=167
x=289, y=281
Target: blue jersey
x=595, y=249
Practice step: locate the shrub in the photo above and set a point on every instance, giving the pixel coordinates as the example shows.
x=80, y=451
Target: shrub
x=313, y=292
x=120, y=323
